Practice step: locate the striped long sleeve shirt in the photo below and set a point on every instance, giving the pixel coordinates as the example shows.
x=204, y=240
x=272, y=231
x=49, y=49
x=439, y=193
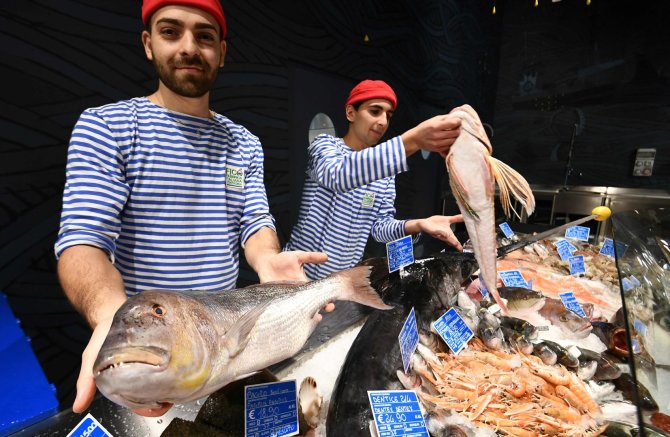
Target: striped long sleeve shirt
x=170, y=197
x=347, y=196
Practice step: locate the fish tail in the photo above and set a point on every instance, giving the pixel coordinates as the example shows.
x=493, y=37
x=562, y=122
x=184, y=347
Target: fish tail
x=357, y=287
x=510, y=181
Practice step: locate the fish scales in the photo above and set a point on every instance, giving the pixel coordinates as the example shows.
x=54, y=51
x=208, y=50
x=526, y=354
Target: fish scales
x=178, y=346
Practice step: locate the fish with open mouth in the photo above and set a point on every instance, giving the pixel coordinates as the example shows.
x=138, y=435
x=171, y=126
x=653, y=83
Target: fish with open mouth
x=179, y=346
x=472, y=175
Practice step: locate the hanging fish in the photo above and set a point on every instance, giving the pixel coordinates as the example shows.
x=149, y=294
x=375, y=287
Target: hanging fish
x=472, y=175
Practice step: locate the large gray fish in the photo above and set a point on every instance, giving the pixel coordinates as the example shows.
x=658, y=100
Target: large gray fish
x=374, y=357
x=178, y=346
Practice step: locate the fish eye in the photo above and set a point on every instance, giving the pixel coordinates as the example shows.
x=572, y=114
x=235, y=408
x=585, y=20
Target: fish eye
x=158, y=311
x=563, y=317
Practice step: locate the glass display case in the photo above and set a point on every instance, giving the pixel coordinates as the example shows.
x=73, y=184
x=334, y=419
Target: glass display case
x=642, y=248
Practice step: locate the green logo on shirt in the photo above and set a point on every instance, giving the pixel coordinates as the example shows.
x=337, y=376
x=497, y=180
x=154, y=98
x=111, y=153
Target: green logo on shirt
x=234, y=177
x=368, y=200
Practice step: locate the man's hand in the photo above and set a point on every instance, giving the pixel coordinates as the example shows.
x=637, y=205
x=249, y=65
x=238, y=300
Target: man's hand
x=436, y=134
x=288, y=266
x=86, y=382
x=438, y=226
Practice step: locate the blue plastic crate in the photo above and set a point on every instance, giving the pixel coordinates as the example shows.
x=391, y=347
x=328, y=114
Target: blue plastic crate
x=26, y=397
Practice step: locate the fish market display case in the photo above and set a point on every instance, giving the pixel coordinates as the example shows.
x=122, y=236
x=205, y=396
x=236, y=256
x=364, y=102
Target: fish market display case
x=642, y=248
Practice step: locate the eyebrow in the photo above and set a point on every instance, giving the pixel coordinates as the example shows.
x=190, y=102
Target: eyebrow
x=180, y=23
x=374, y=105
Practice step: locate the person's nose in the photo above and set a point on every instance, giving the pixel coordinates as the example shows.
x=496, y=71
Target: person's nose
x=189, y=44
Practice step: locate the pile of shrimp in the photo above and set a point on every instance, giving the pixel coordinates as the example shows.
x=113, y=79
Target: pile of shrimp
x=511, y=393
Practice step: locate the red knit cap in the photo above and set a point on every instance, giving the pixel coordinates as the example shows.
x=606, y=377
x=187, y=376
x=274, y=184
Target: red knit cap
x=372, y=89
x=212, y=7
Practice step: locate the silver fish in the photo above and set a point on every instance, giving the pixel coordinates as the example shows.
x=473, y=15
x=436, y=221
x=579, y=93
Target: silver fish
x=178, y=346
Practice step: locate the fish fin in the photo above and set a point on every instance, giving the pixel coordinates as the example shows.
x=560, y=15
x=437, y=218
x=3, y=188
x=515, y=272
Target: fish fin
x=357, y=287
x=509, y=180
x=237, y=337
x=458, y=189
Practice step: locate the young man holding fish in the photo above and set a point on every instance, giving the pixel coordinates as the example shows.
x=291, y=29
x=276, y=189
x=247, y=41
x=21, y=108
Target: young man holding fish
x=162, y=192
x=349, y=193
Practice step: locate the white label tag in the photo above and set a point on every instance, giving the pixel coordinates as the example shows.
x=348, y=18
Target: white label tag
x=368, y=199
x=235, y=178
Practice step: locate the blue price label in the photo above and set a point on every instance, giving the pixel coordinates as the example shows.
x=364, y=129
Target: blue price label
x=271, y=409
x=578, y=233
x=482, y=288
x=640, y=327
x=513, y=278
x=620, y=248
x=608, y=247
x=570, y=301
x=564, y=252
x=634, y=281
x=453, y=330
x=89, y=427
x=408, y=339
x=626, y=284
x=399, y=253
x=577, y=264
x=397, y=413
x=506, y=229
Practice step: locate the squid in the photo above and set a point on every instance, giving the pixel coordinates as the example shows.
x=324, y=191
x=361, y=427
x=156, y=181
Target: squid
x=473, y=173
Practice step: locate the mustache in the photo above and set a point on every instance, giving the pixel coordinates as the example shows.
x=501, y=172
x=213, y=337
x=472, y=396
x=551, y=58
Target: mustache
x=189, y=61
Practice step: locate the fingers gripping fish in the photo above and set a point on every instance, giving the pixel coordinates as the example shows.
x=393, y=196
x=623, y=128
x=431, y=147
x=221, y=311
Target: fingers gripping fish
x=473, y=173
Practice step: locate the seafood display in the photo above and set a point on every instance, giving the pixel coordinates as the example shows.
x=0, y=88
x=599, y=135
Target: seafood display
x=538, y=370
x=178, y=346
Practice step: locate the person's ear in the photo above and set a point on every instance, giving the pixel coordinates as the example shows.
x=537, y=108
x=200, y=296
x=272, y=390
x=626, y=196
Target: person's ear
x=350, y=112
x=224, y=47
x=146, y=42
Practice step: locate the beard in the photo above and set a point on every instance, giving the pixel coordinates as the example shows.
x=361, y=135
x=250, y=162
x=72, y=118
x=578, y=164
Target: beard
x=190, y=85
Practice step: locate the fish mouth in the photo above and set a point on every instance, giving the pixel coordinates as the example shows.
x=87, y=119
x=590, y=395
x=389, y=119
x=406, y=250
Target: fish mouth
x=153, y=358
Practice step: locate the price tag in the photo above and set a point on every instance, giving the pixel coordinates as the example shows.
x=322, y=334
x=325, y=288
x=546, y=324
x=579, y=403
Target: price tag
x=608, y=247
x=399, y=253
x=578, y=233
x=640, y=327
x=620, y=248
x=570, y=301
x=482, y=289
x=634, y=281
x=626, y=284
x=271, y=409
x=397, y=413
x=564, y=252
x=513, y=278
x=408, y=339
x=577, y=264
x=506, y=229
x=453, y=330
x=89, y=427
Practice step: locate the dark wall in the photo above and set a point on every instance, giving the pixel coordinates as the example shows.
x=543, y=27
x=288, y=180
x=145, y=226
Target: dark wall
x=604, y=68
x=287, y=60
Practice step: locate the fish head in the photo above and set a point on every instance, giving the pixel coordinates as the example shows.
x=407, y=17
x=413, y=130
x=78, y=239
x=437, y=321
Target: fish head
x=157, y=350
x=570, y=322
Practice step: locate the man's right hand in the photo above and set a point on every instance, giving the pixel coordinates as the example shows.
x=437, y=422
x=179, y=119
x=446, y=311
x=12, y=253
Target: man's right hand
x=86, y=382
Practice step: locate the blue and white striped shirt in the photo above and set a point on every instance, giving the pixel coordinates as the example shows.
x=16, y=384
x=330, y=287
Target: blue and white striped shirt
x=347, y=196
x=169, y=196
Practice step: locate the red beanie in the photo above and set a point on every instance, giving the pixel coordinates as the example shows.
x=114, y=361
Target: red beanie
x=212, y=7
x=372, y=89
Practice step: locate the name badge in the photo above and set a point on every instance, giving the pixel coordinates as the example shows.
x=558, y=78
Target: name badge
x=235, y=178
x=368, y=199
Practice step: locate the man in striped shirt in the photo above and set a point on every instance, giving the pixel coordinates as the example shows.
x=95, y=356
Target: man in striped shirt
x=350, y=188
x=161, y=192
